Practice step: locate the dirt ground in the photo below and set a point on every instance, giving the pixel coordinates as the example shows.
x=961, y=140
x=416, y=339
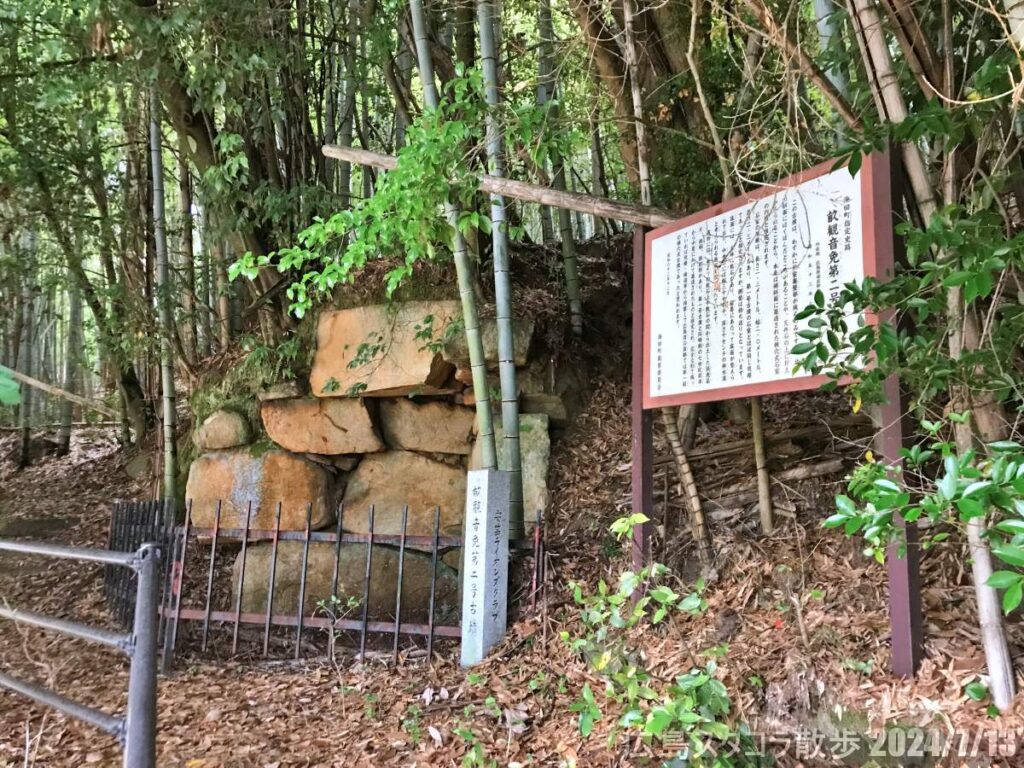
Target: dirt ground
x=797, y=622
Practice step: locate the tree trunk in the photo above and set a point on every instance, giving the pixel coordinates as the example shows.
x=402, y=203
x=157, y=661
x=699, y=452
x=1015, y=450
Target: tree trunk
x=163, y=297
x=348, y=115
x=545, y=92
x=72, y=365
x=569, y=264
x=188, y=255
x=25, y=347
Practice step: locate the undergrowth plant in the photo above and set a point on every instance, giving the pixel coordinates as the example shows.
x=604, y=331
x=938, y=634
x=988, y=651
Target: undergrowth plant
x=968, y=486
x=687, y=713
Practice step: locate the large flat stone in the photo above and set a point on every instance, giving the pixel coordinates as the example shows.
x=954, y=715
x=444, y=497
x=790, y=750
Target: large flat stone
x=383, y=350
x=351, y=573
x=457, y=350
x=329, y=426
x=394, y=479
x=535, y=453
x=434, y=427
x=240, y=477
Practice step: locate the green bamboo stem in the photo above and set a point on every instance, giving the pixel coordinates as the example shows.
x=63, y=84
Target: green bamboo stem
x=163, y=299
x=463, y=268
x=502, y=281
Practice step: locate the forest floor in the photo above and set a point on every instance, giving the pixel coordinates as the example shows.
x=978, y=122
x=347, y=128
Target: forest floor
x=786, y=670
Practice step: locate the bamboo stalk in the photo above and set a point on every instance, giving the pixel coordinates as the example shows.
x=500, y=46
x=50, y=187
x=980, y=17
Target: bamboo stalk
x=163, y=298
x=502, y=279
x=764, y=483
x=688, y=490
x=463, y=267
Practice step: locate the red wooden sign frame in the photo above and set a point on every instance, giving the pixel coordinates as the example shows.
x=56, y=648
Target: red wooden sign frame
x=877, y=176
x=874, y=181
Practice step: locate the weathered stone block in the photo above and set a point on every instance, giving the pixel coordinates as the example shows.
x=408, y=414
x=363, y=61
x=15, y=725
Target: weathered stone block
x=351, y=572
x=394, y=479
x=383, y=350
x=435, y=427
x=330, y=426
x=236, y=478
x=554, y=387
x=457, y=351
x=283, y=389
x=223, y=429
x=535, y=451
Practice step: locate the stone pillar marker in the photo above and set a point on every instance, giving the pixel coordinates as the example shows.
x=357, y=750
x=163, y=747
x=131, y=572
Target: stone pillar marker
x=485, y=563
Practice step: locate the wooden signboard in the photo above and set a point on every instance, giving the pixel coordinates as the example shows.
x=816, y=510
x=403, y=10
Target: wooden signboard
x=714, y=301
x=722, y=287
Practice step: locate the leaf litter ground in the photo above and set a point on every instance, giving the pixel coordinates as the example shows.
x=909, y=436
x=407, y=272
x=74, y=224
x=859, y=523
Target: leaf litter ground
x=785, y=668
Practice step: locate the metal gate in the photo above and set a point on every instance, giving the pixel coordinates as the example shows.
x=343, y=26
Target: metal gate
x=136, y=730
x=195, y=555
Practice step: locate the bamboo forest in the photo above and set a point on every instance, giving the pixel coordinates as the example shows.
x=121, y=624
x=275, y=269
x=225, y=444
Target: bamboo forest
x=512, y=383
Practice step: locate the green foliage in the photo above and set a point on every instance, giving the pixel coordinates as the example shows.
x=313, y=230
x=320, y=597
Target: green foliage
x=689, y=709
x=961, y=488
x=959, y=249
x=404, y=220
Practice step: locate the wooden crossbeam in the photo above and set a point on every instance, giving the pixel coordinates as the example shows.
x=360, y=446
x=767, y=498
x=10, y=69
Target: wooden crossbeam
x=602, y=207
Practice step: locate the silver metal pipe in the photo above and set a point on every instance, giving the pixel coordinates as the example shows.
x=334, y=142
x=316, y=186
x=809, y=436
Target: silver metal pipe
x=72, y=629
x=109, y=723
x=69, y=553
x=140, y=742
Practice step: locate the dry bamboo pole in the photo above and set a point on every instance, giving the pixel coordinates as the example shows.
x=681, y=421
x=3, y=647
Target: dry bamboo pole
x=58, y=392
x=764, y=483
x=688, y=490
x=644, y=215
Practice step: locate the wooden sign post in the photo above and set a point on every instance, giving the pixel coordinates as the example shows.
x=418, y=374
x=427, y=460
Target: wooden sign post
x=715, y=296
x=485, y=563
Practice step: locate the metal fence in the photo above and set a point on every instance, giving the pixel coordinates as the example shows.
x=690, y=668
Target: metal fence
x=133, y=524
x=136, y=730
x=190, y=541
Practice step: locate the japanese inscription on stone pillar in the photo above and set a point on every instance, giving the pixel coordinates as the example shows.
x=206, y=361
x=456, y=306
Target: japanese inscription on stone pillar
x=485, y=563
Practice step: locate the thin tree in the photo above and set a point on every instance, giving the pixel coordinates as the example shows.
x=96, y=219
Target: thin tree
x=463, y=266
x=502, y=282
x=163, y=299
x=188, y=255
x=72, y=364
x=701, y=532
x=27, y=364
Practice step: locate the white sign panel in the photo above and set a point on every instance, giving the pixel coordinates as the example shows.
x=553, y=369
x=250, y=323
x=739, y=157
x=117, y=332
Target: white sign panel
x=723, y=287
x=485, y=563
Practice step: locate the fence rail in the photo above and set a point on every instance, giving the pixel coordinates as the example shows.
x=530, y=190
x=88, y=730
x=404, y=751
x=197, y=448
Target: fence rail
x=188, y=542
x=136, y=729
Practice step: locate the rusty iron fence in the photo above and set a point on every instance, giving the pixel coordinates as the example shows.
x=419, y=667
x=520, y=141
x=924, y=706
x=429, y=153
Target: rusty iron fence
x=192, y=588
x=136, y=730
x=133, y=524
